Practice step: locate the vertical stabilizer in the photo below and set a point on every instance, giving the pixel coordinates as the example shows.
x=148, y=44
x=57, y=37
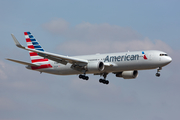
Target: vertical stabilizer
x=32, y=43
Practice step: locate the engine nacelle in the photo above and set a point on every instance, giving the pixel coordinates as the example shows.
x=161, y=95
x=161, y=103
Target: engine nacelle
x=128, y=74
x=95, y=66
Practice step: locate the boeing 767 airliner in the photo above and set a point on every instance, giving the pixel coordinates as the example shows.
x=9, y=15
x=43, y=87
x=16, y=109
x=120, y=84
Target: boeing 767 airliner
x=123, y=64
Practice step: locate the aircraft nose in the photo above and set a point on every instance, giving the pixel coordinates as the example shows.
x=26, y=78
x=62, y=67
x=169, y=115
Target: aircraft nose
x=168, y=59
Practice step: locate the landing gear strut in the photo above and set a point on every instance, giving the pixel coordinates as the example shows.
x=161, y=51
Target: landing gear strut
x=104, y=81
x=158, y=70
x=84, y=77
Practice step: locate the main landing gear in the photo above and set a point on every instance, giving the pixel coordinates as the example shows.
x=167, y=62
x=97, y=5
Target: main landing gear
x=104, y=81
x=84, y=77
x=158, y=70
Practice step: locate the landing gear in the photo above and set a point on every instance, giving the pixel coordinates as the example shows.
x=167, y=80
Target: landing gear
x=84, y=77
x=158, y=70
x=158, y=74
x=104, y=81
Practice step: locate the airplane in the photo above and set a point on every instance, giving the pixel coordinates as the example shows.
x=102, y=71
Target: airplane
x=122, y=64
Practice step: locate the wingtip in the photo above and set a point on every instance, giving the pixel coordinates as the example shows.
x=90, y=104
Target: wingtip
x=17, y=42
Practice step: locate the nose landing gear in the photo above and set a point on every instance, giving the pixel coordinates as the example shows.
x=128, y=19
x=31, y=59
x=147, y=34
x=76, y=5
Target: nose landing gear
x=158, y=74
x=158, y=70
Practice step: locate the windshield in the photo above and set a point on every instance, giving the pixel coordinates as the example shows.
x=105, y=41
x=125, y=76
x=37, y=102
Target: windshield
x=163, y=55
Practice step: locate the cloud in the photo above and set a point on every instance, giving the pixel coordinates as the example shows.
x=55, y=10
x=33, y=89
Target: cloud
x=87, y=38
x=7, y=104
x=57, y=26
x=3, y=74
x=25, y=85
x=94, y=91
x=81, y=47
x=87, y=31
x=15, y=78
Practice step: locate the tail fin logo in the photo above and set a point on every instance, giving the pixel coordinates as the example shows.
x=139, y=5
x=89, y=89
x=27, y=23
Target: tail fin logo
x=32, y=43
x=144, y=56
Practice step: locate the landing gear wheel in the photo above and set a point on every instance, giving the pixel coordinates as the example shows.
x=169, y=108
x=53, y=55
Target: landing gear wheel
x=86, y=78
x=100, y=80
x=80, y=76
x=107, y=82
x=158, y=74
x=83, y=77
x=104, y=81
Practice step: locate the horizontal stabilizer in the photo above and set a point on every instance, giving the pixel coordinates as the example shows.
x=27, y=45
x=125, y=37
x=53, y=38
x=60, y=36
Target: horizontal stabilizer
x=24, y=63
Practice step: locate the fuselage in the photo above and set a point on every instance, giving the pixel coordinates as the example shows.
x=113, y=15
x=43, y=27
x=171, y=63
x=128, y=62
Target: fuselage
x=116, y=62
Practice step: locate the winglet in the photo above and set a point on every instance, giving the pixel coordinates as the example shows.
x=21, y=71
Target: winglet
x=16, y=42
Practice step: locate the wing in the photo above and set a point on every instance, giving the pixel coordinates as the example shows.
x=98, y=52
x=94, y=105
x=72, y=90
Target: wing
x=54, y=57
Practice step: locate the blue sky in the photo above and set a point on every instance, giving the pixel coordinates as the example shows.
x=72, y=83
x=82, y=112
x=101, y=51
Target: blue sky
x=89, y=27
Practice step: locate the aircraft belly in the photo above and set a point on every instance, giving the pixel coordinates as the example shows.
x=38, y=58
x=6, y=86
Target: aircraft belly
x=133, y=65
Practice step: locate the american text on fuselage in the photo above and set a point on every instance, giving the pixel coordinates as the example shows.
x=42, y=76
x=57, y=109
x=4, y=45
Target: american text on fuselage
x=121, y=58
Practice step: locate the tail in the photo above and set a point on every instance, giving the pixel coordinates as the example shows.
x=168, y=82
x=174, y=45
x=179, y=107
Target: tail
x=32, y=43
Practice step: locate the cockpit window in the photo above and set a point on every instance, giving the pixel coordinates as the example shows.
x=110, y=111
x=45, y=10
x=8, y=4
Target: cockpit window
x=163, y=55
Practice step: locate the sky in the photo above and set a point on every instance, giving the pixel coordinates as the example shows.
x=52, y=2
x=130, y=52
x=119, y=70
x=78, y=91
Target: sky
x=88, y=27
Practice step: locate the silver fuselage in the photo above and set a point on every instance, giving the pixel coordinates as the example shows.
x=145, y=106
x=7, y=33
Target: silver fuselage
x=123, y=61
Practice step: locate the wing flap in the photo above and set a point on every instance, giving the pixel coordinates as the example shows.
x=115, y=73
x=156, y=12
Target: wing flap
x=24, y=63
x=53, y=58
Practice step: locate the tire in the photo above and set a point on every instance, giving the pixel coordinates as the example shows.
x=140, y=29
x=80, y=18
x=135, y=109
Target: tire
x=157, y=74
x=87, y=78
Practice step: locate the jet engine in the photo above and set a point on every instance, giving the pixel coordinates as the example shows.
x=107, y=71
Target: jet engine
x=128, y=74
x=95, y=66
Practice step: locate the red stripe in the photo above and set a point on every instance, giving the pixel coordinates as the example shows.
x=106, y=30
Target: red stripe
x=31, y=46
x=39, y=60
x=25, y=33
x=41, y=67
x=33, y=54
x=28, y=40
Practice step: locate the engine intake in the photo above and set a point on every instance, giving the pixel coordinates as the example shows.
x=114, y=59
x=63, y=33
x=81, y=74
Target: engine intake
x=95, y=66
x=128, y=74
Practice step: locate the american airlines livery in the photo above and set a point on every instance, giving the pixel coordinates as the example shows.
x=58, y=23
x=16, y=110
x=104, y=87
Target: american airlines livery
x=123, y=64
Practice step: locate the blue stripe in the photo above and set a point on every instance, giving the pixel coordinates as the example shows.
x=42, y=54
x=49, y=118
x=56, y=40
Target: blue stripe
x=40, y=49
x=37, y=46
x=28, y=33
x=30, y=36
x=33, y=40
x=35, y=43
